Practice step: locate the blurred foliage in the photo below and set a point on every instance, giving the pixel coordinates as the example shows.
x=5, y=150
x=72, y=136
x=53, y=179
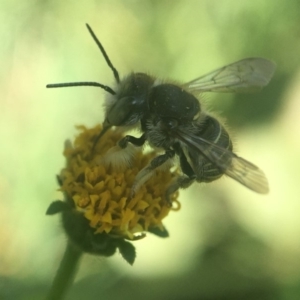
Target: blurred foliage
x=223, y=244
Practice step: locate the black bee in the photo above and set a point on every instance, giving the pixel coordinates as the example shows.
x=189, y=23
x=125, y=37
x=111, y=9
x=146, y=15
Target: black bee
x=172, y=119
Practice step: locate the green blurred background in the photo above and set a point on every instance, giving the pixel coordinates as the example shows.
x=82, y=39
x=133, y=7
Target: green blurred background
x=226, y=242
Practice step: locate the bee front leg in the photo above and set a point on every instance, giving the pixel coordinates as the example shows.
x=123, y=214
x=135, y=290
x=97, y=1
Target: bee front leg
x=133, y=140
x=147, y=172
x=120, y=157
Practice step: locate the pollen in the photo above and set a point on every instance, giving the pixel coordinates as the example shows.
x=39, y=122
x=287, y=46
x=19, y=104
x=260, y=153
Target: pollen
x=102, y=193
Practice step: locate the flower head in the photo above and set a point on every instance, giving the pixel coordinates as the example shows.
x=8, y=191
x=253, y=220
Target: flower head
x=100, y=213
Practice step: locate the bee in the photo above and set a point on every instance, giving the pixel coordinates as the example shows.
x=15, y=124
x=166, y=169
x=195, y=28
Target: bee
x=172, y=119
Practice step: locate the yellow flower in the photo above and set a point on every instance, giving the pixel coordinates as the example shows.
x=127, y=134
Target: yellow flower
x=100, y=209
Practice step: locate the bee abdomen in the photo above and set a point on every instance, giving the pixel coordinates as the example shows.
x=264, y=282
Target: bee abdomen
x=212, y=131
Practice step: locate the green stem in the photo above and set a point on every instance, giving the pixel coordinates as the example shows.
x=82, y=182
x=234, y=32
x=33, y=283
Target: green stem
x=65, y=273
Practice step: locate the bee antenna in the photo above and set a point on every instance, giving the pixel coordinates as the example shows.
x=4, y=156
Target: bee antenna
x=69, y=84
x=116, y=74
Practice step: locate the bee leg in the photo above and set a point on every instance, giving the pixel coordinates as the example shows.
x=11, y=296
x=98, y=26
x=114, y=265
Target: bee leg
x=184, y=181
x=133, y=140
x=147, y=172
x=180, y=182
x=120, y=156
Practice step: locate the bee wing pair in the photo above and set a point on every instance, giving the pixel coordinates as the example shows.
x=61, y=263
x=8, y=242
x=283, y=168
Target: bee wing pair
x=247, y=75
x=232, y=165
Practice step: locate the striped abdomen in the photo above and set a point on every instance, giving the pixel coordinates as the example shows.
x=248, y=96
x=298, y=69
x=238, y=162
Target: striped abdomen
x=213, y=131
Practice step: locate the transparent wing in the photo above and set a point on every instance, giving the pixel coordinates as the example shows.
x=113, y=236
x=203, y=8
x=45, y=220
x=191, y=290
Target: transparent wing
x=234, y=166
x=247, y=75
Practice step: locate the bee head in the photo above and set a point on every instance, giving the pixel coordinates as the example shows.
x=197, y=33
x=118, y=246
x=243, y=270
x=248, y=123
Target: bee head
x=129, y=104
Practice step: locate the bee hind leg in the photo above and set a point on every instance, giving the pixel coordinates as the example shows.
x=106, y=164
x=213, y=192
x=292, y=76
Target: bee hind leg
x=183, y=181
x=180, y=182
